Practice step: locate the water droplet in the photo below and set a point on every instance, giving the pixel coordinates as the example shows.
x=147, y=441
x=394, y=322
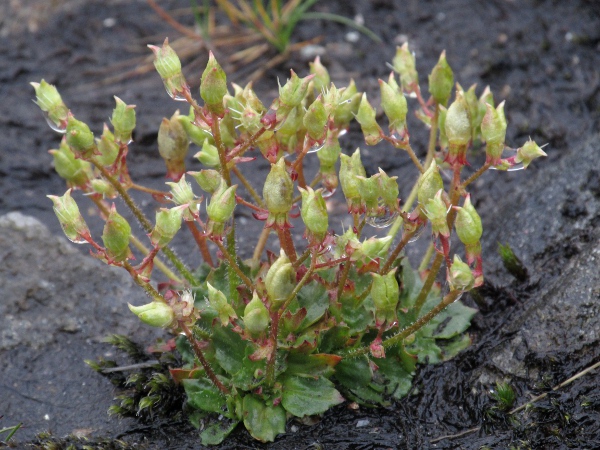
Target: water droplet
x=510, y=154
x=342, y=132
x=328, y=193
x=177, y=96
x=62, y=128
x=411, y=94
x=417, y=235
x=446, y=289
x=76, y=240
x=315, y=148
x=382, y=221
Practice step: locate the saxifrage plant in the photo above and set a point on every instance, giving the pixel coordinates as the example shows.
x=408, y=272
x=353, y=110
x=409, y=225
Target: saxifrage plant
x=293, y=333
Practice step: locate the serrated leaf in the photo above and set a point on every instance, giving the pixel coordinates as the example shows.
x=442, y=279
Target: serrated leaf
x=202, y=394
x=354, y=373
x=314, y=365
x=308, y=396
x=216, y=432
x=230, y=349
x=263, y=422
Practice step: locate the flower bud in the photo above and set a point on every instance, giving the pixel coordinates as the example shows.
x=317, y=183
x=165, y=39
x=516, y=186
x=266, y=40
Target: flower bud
x=372, y=248
x=394, y=105
x=181, y=192
x=50, y=102
x=209, y=180
x=108, y=148
x=222, y=203
x=76, y=172
x=430, y=183
x=116, y=236
x=104, y=188
x=493, y=132
x=385, y=293
x=123, y=121
x=347, y=107
x=209, y=155
x=278, y=193
x=473, y=105
x=314, y=212
x=388, y=190
x=315, y=120
x=436, y=211
x=213, y=86
x=168, y=223
x=218, y=301
x=528, y=153
x=368, y=190
x=458, y=125
x=168, y=66
x=351, y=167
x=461, y=277
x=404, y=64
x=441, y=81
x=70, y=218
x=366, y=117
x=280, y=280
x=331, y=150
x=196, y=133
x=155, y=314
x=256, y=315
x=293, y=92
x=173, y=144
x=80, y=139
x=321, y=79
x=443, y=139
x=468, y=223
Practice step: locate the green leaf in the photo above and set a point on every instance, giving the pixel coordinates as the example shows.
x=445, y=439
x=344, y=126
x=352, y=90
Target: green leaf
x=314, y=365
x=426, y=349
x=313, y=296
x=357, y=318
x=334, y=339
x=245, y=378
x=185, y=350
x=216, y=432
x=454, y=320
x=455, y=346
x=307, y=396
x=263, y=422
x=397, y=371
x=354, y=373
x=202, y=394
x=230, y=349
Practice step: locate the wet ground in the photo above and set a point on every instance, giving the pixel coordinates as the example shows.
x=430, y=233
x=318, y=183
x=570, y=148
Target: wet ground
x=542, y=57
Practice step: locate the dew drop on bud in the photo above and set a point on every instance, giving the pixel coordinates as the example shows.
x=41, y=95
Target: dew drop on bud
x=62, y=128
x=315, y=148
x=342, y=132
x=177, y=96
x=327, y=193
x=417, y=235
x=383, y=220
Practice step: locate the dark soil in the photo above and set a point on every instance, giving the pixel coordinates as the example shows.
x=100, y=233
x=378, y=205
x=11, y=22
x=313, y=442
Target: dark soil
x=542, y=57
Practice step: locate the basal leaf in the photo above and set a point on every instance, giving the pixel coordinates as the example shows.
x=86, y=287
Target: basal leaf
x=314, y=365
x=230, y=349
x=308, y=396
x=203, y=395
x=313, y=296
x=216, y=432
x=354, y=373
x=264, y=422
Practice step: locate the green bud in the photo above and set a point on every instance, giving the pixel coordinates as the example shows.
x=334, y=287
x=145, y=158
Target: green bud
x=493, y=132
x=222, y=203
x=429, y=184
x=104, y=188
x=278, y=193
x=80, y=139
x=441, y=81
x=116, y=236
x=218, y=301
x=388, y=190
x=330, y=153
x=123, y=121
x=528, y=153
x=468, y=223
x=315, y=120
x=76, y=172
x=385, y=293
x=461, y=277
x=168, y=66
x=436, y=211
x=321, y=79
x=293, y=92
x=70, y=218
x=404, y=64
x=209, y=180
x=442, y=111
x=347, y=106
x=209, y=155
x=280, y=280
x=195, y=133
x=351, y=167
x=181, y=192
x=50, y=102
x=458, y=125
x=155, y=314
x=173, y=144
x=366, y=117
x=256, y=315
x=314, y=212
x=213, y=86
x=368, y=190
x=372, y=248
x=168, y=223
x=394, y=105
x=250, y=120
x=108, y=148
x=473, y=105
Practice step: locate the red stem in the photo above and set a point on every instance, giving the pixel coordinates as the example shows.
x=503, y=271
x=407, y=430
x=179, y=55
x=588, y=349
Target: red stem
x=201, y=241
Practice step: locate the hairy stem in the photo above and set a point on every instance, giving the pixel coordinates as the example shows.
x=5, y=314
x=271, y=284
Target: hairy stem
x=287, y=243
x=233, y=265
x=201, y=242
